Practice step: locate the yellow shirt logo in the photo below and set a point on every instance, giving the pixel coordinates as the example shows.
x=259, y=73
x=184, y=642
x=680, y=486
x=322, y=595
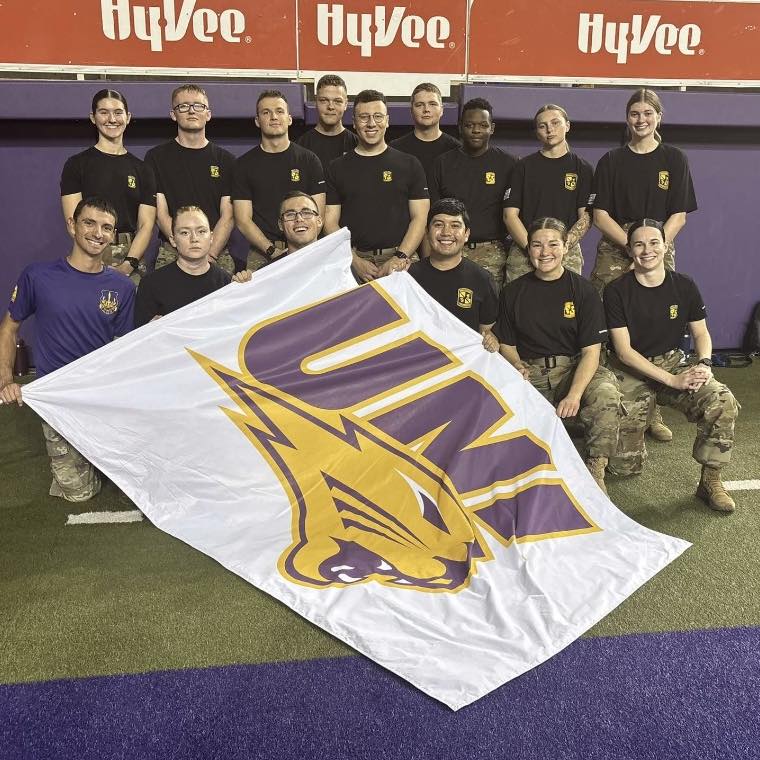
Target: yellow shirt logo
x=571, y=181
x=387, y=176
x=295, y=175
x=14, y=294
x=663, y=180
x=131, y=182
x=109, y=301
x=569, y=311
x=214, y=170
x=464, y=298
x=674, y=311
x=490, y=178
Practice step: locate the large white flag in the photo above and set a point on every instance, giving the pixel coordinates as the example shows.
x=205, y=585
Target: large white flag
x=357, y=454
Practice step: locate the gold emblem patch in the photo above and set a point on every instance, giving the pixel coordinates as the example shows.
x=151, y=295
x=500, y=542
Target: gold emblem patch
x=464, y=298
x=663, y=180
x=674, y=311
x=14, y=294
x=295, y=175
x=387, y=176
x=490, y=178
x=569, y=310
x=131, y=182
x=214, y=170
x=571, y=181
x=109, y=301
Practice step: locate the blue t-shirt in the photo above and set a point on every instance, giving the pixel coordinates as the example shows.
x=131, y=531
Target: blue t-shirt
x=76, y=312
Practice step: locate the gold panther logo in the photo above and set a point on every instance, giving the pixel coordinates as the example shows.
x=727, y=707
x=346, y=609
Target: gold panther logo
x=214, y=170
x=663, y=180
x=387, y=176
x=490, y=178
x=295, y=175
x=569, y=310
x=674, y=311
x=571, y=181
x=131, y=182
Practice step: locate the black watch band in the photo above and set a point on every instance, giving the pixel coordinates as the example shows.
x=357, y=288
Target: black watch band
x=133, y=262
x=270, y=252
x=707, y=362
x=400, y=255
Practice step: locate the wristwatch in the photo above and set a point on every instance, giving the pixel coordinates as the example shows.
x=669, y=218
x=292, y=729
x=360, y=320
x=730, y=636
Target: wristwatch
x=270, y=252
x=133, y=262
x=706, y=361
x=400, y=254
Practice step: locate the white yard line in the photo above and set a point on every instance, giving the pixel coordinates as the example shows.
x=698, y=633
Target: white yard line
x=741, y=485
x=95, y=518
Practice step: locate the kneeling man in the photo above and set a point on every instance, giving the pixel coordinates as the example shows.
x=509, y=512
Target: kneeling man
x=648, y=311
x=458, y=284
x=80, y=305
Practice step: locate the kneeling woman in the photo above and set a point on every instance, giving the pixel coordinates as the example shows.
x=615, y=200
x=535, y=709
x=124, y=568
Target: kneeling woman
x=550, y=328
x=648, y=311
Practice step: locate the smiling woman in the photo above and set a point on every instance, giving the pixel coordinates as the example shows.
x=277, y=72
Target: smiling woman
x=108, y=170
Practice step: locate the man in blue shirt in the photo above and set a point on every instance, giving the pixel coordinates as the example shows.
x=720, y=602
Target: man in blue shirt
x=80, y=305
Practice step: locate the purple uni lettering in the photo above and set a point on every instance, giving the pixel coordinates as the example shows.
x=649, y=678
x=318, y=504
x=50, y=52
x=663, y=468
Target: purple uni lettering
x=275, y=353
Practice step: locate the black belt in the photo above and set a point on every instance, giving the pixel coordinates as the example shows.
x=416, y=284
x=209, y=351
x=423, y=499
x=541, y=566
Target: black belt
x=550, y=362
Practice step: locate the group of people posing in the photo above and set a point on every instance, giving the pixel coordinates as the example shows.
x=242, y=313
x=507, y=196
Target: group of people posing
x=427, y=203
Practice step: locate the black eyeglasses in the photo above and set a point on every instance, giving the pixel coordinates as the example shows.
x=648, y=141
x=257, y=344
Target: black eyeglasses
x=304, y=213
x=187, y=107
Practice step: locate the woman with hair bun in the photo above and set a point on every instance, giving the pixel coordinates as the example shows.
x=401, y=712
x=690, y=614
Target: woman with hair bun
x=550, y=329
x=644, y=178
x=109, y=171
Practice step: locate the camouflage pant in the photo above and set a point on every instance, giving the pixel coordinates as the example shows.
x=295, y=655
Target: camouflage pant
x=519, y=264
x=613, y=261
x=256, y=259
x=166, y=254
x=713, y=407
x=492, y=256
x=600, y=403
x=114, y=254
x=74, y=478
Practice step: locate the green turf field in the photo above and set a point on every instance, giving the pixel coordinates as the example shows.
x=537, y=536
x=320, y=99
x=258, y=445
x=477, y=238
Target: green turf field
x=102, y=599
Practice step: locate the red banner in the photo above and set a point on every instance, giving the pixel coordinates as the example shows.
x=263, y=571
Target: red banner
x=681, y=40
x=150, y=34
x=420, y=36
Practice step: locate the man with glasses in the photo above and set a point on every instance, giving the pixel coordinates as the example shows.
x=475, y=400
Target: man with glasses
x=426, y=141
x=192, y=171
x=379, y=193
x=329, y=139
x=300, y=220
x=265, y=174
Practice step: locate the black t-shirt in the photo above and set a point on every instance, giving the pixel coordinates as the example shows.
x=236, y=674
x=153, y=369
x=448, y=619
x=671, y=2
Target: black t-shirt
x=550, y=318
x=169, y=288
x=557, y=187
x=328, y=147
x=124, y=181
x=264, y=179
x=656, y=318
x=374, y=194
x=192, y=176
x=480, y=182
x=467, y=290
x=426, y=152
x=631, y=186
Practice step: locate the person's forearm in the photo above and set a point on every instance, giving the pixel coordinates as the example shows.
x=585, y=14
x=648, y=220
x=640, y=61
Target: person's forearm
x=511, y=355
x=610, y=228
x=221, y=236
x=515, y=227
x=579, y=229
x=643, y=366
x=254, y=235
x=703, y=345
x=584, y=371
x=673, y=225
x=414, y=234
x=140, y=241
x=7, y=356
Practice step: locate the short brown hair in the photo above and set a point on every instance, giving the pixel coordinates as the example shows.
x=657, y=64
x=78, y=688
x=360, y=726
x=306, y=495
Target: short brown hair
x=189, y=87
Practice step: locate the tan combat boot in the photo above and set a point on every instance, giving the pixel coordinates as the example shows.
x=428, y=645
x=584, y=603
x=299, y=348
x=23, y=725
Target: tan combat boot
x=712, y=491
x=596, y=466
x=658, y=429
